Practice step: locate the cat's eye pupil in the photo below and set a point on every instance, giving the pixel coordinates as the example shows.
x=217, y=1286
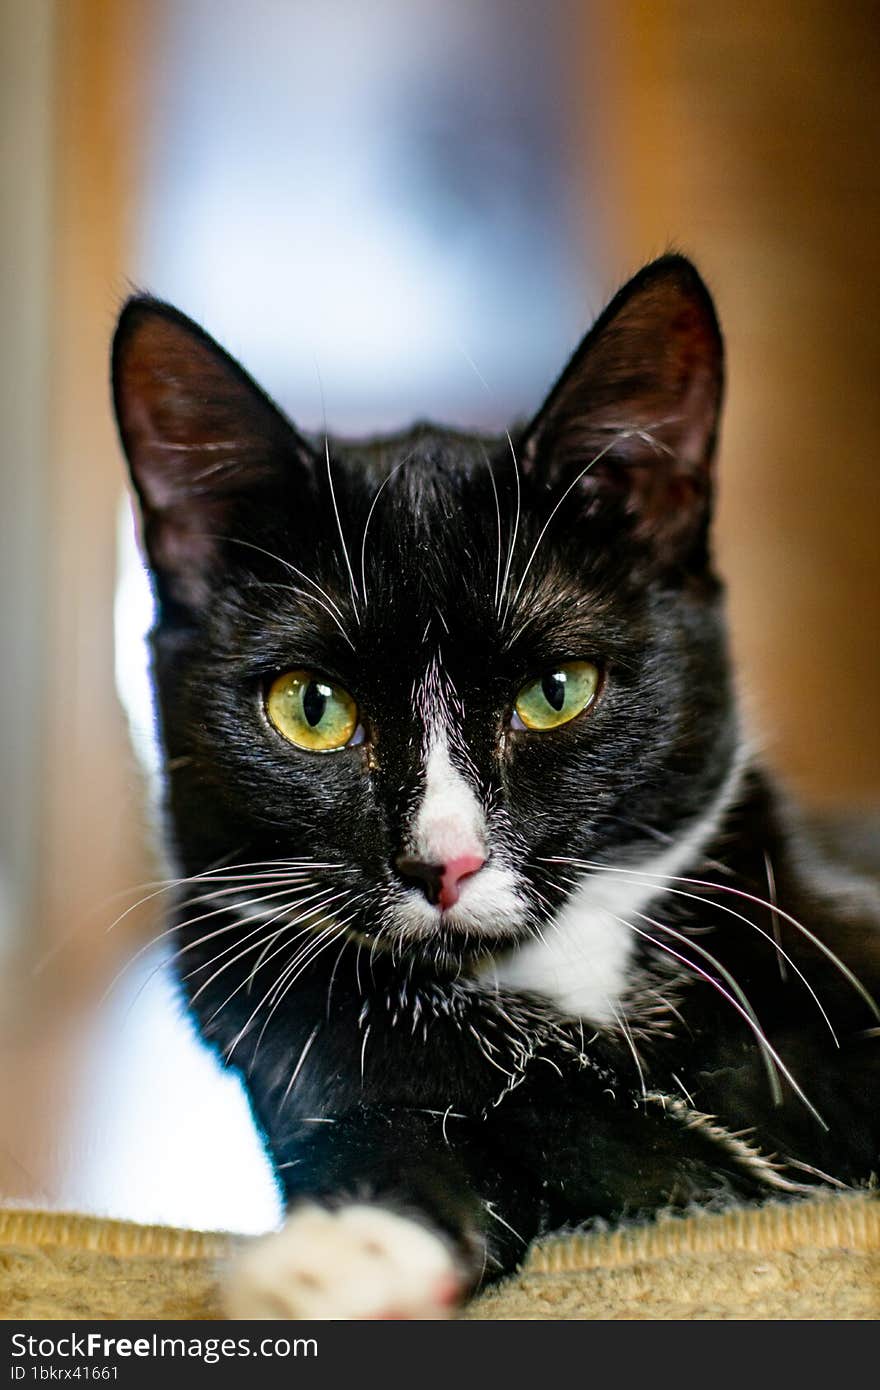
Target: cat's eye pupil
x=553, y=689
x=314, y=702
x=313, y=713
x=548, y=701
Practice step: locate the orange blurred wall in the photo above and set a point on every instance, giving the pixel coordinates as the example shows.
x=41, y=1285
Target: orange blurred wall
x=93, y=834
x=748, y=136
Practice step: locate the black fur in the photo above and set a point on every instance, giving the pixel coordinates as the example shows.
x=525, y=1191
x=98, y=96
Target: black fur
x=381, y=1066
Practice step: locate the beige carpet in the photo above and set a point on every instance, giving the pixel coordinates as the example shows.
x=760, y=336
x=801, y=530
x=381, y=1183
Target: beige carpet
x=808, y=1260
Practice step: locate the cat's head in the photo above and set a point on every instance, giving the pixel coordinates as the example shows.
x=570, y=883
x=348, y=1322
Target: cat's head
x=440, y=664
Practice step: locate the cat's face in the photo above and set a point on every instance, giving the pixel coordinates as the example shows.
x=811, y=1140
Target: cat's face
x=438, y=664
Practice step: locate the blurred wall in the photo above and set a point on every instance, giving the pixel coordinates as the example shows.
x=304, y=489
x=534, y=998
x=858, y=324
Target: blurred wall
x=26, y=139
x=71, y=803
x=71, y=819
x=93, y=833
x=749, y=136
x=379, y=196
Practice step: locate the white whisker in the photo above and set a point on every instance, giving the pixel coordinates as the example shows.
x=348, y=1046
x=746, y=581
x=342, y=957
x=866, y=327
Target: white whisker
x=625, y=1030
x=387, y=479
x=593, y=461
x=354, y=592
x=302, y=1057
x=771, y=889
x=749, y=897
x=190, y=922
x=488, y=462
x=286, y=907
x=515, y=530
x=286, y=980
x=636, y=878
x=217, y=875
x=333, y=611
x=318, y=907
x=744, y=1010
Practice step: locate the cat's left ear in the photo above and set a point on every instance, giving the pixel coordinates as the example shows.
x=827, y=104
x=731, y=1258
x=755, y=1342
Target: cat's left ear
x=634, y=416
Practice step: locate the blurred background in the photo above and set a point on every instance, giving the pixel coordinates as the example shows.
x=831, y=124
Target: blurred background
x=419, y=207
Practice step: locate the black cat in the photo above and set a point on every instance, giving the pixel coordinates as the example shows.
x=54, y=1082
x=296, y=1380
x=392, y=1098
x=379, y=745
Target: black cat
x=485, y=898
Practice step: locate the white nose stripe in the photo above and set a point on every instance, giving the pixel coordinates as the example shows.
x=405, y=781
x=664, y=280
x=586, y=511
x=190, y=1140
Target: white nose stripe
x=450, y=822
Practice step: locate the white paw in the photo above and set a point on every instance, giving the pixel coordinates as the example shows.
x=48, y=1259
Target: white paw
x=357, y=1261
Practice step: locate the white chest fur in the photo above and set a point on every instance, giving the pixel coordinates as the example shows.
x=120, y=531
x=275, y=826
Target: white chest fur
x=582, y=963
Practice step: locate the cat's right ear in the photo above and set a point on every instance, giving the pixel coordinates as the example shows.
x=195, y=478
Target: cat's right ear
x=201, y=440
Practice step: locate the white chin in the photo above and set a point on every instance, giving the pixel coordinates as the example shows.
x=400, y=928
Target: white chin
x=488, y=905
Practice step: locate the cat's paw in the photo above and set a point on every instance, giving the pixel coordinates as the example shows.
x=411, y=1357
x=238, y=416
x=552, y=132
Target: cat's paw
x=357, y=1261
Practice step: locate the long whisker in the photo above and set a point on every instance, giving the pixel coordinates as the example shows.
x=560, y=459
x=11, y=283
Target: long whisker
x=279, y=887
x=298, y=962
x=314, y=902
x=232, y=926
x=337, y=929
x=288, y=565
x=333, y=610
x=190, y=922
x=304, y=959
x=746, y=1008
x=744, y=1003
x=217, y=875
x=624, y=1028
x=295, y=589
x=332, y=979
x=515, y=530
x=280, y=931
x=307, y=931
x=384, y=483
x=303, y=931
x=312, y=911
x=710, y=979
x=235, y=925
x=759, y=902
x=350, y=902
x=593, y=461
x=264, y=956
x=298, y=1068
x=354, y=592
x=771, y=889
x=783, y=955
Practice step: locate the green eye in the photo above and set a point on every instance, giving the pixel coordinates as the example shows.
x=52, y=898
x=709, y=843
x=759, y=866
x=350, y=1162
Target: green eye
x=557, y=697
x=311, y=712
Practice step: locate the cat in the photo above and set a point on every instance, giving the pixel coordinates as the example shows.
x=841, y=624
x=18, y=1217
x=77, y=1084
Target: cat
x=484, y=895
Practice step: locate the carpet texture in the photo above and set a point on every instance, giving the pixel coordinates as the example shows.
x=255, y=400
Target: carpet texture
x=809, y=1260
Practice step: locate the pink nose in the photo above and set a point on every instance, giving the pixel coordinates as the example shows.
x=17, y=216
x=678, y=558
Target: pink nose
x=453, y=872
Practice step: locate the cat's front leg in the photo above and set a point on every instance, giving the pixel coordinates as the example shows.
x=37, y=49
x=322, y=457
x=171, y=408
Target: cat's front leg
x=386, y=1220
